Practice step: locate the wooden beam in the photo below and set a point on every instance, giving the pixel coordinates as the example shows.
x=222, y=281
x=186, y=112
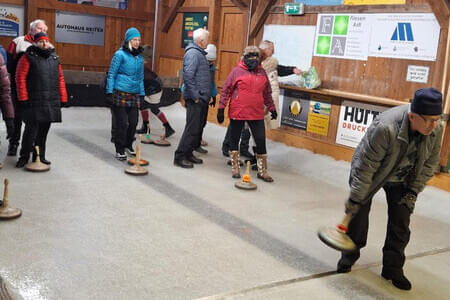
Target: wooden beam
x=441, y=11
x=242, y=4
x=172, y=15
x=261, y=13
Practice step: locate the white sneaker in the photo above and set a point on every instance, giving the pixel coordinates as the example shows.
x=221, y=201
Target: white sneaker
x=121, y=156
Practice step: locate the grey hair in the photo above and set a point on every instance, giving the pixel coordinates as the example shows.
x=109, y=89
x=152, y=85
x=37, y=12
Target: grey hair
x=200, y=34
x=35, y=23
x=265, y=44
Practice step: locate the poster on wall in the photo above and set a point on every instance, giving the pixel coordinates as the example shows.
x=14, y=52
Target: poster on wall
x=373, y=2
x=408, y=36
x=79, y=29
x=354, y=119
x=191, y=22
x=318, y=117
x=295, y=108
x=343, y=36
x=120, y=4
x=11, y=20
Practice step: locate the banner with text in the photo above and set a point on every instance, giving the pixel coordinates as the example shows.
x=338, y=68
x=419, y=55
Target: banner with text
x=295, y=108
x=79, y=29
x=121, y=4
x=11, y=20
x=354, y=119
x=318, y=117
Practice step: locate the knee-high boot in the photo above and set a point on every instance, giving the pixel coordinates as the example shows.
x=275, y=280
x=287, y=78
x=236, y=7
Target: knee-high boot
x=235, y=168
x=261, y=162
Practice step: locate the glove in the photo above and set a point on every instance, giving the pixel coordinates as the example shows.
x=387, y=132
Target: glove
x=409, y=200
x=9, y=127
x=220, y=115
x=273, y=115
x=109, y=100
x=352, y=207
x=213, y=102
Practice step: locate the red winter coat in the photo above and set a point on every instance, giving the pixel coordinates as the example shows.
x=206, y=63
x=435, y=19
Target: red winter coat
x=248, y=92
x=5, y=92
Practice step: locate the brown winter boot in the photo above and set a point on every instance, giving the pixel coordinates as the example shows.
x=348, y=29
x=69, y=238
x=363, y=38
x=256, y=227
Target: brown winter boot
x=261, y=162
x=235, y=168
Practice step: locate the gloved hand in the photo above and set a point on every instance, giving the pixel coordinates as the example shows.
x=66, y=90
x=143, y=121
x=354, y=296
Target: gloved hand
x=273, y=115
x=9, y=127
x=109, y=100
x=220, y=115
x=213, y=102
x=352, y=207
x=409, y=200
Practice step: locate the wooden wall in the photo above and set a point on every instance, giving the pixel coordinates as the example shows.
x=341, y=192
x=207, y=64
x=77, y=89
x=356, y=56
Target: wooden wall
x=140, y=14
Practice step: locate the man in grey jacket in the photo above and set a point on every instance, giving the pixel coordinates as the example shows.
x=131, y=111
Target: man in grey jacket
x=197, y=92
x=399, y=153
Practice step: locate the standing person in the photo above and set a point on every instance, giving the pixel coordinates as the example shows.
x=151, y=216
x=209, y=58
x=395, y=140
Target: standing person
x=399, y=153
x=197, y=93
x=153, y=93
x=40, y=90
x=5, y=99
x=211, y=55
x=125, y=90
x=15, y=50
x=248, y=90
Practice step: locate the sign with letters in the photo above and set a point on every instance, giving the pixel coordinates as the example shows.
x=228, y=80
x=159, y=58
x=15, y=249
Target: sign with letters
x=11, y=20
x=417, y=74
x=79, y=29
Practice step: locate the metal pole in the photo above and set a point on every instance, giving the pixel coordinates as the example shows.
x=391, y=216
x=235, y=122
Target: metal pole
x=155, y=30
x=249, y=21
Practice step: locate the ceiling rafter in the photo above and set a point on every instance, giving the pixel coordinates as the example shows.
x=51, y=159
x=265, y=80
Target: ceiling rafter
x=172, y=15
x=260, y=15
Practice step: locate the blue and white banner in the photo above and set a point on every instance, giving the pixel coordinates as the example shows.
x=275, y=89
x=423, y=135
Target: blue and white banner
x=11, y=20
x=320, y=2
x=408, y=36
x=79, y=29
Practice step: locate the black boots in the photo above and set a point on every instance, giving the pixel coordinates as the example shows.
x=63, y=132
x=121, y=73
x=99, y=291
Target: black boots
x=12, y=150
x=41, y=156
x=398, y=280
x=144, y=128
x=169, y=130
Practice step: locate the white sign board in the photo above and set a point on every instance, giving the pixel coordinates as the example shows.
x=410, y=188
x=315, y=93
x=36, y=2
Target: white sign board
x=354, y=119
x=79, y=29
x=11, y=20
x=343, y=36
x=408, y=36
x=417, y=74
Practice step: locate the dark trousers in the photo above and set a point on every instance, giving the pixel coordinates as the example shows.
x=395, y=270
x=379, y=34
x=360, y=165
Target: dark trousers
x=15, y=138
x=192, y=131
x=244, y=143
x=397, y=234
x=125, y=120
x=203, y=120
x=35, y=134
x=258, y=130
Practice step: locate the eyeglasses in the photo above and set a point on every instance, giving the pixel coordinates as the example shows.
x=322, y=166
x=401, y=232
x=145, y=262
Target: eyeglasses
x=429, y=120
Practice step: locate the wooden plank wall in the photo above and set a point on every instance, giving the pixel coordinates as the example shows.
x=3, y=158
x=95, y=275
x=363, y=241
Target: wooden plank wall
x=140, y=14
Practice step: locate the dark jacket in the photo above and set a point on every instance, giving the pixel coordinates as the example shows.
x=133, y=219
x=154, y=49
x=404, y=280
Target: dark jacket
x=382, y=148
x=5, y=92
x=248, y=92
x=196, y=74
x=152, y=82
x=40, y=85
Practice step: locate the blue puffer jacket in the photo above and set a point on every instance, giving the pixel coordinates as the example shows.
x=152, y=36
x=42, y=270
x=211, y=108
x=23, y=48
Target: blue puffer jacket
x=196, y=74
x=126, y=73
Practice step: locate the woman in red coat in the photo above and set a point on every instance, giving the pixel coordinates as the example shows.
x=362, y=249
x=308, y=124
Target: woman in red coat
x=248, y=90
x=41, y=90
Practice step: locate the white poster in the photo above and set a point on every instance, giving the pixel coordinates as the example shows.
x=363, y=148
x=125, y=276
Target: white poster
x=354, y=119
x=408, y=36
x=343, y=36
x=11, y=20
x=417, y=74
x=79, y=29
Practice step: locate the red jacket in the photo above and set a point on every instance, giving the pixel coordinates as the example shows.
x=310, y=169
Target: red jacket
x=248, y=92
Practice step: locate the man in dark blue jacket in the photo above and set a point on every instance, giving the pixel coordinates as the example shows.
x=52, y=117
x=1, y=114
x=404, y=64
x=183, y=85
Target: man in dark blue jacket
x=197, y=92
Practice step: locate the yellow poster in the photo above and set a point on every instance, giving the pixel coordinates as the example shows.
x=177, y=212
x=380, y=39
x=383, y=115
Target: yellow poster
x=318, y=117
x=373, y=2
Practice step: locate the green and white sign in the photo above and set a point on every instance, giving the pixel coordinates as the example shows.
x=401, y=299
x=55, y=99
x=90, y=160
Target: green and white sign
x=343, y=36
x=294, y=8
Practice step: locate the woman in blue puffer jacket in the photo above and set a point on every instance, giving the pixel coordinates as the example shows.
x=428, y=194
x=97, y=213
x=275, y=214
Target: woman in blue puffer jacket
x=125, y=90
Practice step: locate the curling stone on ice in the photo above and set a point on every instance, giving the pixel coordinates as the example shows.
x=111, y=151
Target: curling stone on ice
x=246, y=182
x=142, y=162
x=7, y=212
x=162, y=141
x=136, y=169
x=37, y=166
x=147, y=139
x=337, y=238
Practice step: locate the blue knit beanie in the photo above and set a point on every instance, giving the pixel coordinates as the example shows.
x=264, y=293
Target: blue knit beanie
x=131, y=34
x=427, y=101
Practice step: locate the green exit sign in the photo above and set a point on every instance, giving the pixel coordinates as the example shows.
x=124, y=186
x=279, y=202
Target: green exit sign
x=294, y=8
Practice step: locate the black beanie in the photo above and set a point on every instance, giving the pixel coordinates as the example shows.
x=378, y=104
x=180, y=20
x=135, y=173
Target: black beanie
x=427, y=102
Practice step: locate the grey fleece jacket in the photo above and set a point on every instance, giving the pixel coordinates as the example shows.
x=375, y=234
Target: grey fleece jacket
x=196, y=75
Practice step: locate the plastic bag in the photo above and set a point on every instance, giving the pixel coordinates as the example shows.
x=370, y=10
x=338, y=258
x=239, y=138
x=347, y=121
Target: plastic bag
x=312, y=79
